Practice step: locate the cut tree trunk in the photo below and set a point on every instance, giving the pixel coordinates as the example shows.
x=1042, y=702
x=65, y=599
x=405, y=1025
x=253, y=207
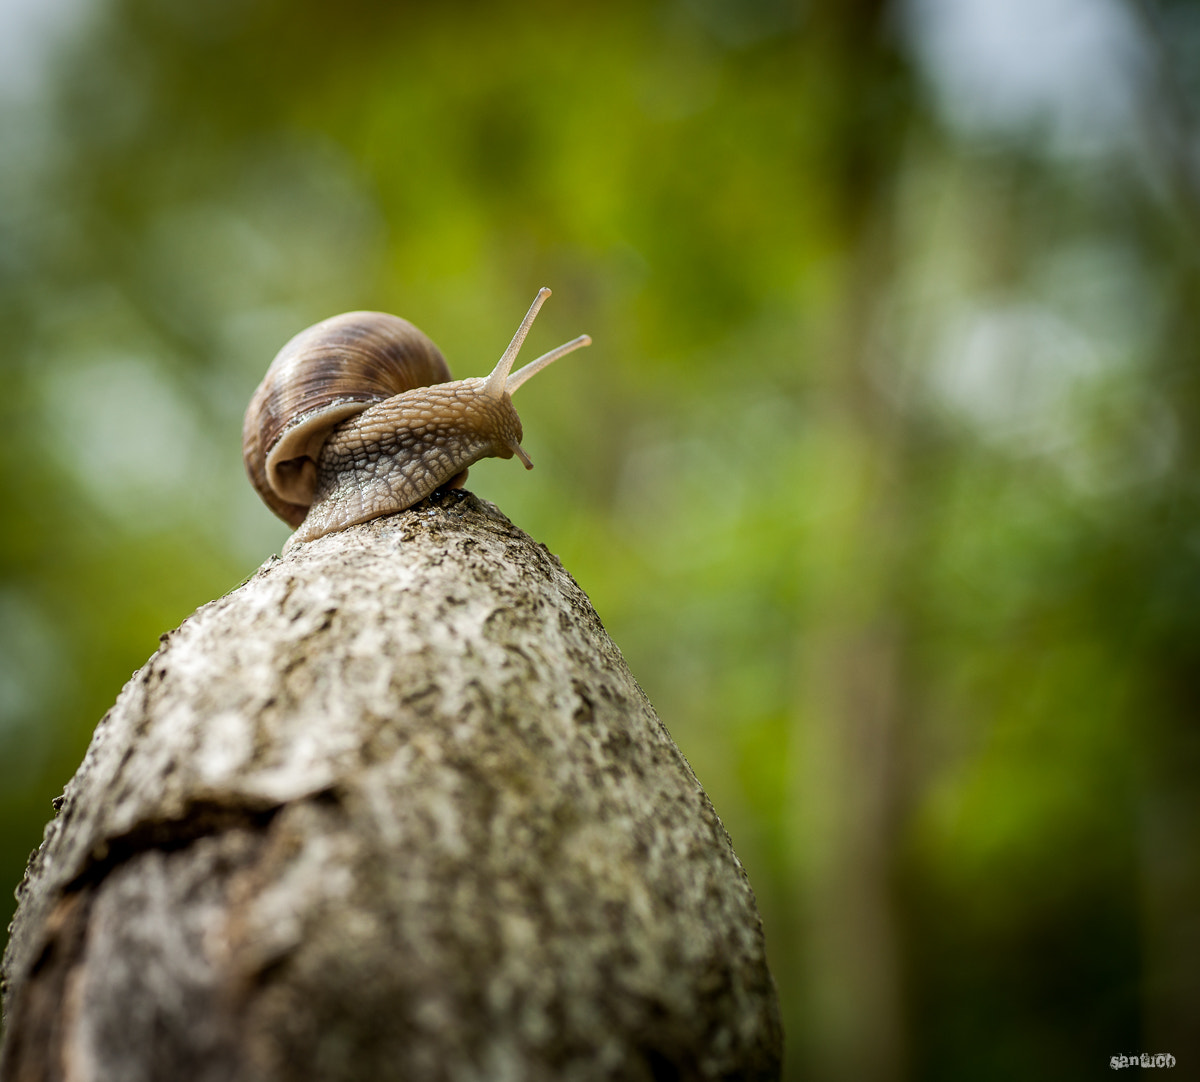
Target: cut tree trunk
x=394, y=808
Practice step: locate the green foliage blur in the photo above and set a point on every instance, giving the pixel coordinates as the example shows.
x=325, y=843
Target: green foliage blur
x=882, y=470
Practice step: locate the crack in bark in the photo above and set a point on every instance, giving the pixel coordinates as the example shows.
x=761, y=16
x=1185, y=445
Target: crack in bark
x=200, y=818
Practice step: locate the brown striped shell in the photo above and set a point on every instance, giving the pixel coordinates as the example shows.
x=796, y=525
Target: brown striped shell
x=331, y=371
x=357, y=417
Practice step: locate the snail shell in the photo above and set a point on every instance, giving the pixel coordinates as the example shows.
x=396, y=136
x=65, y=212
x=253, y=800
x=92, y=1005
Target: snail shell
x=333, y=370
x=358, y=417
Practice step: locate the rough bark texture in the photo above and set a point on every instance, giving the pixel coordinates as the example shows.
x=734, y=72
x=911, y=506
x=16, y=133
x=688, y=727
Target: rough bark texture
x=394, y=808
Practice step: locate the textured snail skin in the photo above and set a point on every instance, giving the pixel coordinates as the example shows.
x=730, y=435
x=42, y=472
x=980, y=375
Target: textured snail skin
x=357, y=417
x=395, y=454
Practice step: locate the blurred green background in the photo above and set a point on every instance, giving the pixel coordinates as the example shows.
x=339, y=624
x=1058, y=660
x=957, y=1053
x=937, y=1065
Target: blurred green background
x=881, y=471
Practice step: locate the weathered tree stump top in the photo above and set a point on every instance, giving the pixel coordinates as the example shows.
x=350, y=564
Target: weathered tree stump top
x=393, y=808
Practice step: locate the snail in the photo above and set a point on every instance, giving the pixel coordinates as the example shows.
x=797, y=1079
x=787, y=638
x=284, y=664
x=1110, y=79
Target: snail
x=358, y=417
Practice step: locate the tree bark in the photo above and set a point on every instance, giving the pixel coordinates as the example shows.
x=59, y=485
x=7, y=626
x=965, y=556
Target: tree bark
x=394, y=808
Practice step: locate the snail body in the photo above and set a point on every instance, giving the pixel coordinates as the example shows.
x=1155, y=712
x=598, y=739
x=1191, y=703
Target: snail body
x=358, y=417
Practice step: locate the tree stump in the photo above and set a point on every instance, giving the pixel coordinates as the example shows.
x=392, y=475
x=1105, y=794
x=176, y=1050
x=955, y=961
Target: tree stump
x=394, y=808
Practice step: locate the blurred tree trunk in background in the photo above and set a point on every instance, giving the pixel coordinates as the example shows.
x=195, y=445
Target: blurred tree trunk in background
x=851, y=700
x=1157, y=546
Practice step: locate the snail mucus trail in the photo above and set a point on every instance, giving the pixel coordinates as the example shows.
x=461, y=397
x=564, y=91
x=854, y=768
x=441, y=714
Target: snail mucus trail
x=357, y=417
